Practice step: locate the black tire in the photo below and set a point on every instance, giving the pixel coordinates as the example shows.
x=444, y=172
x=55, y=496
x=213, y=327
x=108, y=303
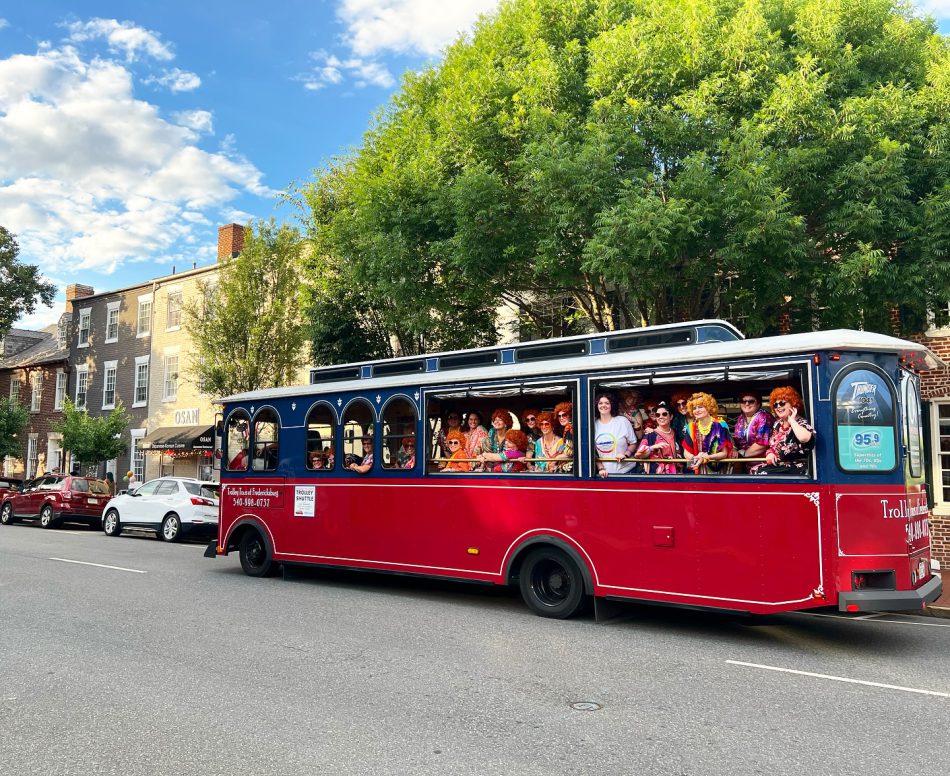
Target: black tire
x=47, y=520
x=552, y=584
x=111, y=524
x=6, y=514
x=256, y=557
x=171, y=528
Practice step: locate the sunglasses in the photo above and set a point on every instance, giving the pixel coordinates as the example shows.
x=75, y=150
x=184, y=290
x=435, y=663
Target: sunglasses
x=563, y=415
x=662, y=414
x=545, y=422
x=530, y=419
x=780, y=403
x=453, y=442
x=681, y=404
x=748, y=401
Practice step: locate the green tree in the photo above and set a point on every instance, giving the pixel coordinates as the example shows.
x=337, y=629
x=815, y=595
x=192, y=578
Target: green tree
x=20, y=284
x=92, y=439
x=13, y=419
x=247, y=330
x=655, y=162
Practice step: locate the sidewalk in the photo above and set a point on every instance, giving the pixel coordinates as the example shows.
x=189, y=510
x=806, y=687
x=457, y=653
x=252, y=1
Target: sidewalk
x=940, y=607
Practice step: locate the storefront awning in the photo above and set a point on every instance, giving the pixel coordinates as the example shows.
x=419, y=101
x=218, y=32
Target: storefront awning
x=179, y=438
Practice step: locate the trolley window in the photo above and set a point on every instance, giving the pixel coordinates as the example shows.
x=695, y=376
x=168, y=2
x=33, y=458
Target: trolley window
x=238, y=435
x=865, y=432
x=321, y=428
x=266, y=454
x=399, y=435
x=913, y=437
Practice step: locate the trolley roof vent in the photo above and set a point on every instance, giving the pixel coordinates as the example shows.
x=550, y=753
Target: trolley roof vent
x=333, y=375
x=569, y=349
x=659, y=339
x=466, y=360
x=399, y=368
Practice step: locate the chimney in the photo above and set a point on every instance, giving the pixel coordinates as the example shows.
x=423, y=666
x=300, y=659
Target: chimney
x=230, y=241
x=76, y=291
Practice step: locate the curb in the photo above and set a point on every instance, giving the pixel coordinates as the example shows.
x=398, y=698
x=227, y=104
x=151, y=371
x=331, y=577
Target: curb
x=936, y=611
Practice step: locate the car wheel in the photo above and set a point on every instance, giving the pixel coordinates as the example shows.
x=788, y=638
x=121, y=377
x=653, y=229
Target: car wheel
x=551, y=583
x=171, y=528
x=6, y=514
x=110, y=523
x=256, y=558
x=46, y=517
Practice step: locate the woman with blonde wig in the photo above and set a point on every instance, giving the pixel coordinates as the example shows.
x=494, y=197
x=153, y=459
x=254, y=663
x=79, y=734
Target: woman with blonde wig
x=706, y=437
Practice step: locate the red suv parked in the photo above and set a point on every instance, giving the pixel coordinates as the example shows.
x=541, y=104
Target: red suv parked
x=55, y=498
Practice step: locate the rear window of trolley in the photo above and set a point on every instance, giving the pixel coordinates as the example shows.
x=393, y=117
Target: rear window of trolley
x=865, y=420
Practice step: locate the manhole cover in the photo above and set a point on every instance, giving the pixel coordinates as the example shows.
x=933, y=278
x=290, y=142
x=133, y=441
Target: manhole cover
x=585, y=706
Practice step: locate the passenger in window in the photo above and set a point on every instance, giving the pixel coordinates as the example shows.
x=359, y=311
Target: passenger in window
x=614, y=438
x=752, y=429
x=406, y=457
x=707, y=439
x=455, y=441
x=475, y=434
x=331, y=458
x=792, y=437
x=564, y=412
x=315, y=460
x=549, y=445
x=660, y=442
x=630, y=409
x=529, y=424
x=495, y=441
x=452, y=422
x=363, y=465
x=649, y=407
x=511, y=458
x=679, y=400
x=237, y=464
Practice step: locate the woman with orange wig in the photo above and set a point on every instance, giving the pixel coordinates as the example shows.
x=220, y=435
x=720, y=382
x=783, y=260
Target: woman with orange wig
x=792, y=437
x=455, y=441
x=510, y=459
x=706, y=438
x=564, y=428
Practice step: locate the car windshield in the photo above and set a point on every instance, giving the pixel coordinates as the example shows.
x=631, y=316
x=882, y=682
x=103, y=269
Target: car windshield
x=203, y=489
x=90, y=486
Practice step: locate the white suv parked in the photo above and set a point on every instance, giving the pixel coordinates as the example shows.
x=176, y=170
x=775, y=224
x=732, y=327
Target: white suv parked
x=173, y=507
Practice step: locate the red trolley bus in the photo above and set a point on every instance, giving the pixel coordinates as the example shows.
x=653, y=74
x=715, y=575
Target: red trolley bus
x=351, y=471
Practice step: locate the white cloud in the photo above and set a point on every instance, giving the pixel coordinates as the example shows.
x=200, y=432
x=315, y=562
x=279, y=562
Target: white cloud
x=91, y=177
x=330, y=69
x=939, y=9
x=402, y=26
x=198, y=120
x=123, y=37
x=176, y=80
x=4, y=23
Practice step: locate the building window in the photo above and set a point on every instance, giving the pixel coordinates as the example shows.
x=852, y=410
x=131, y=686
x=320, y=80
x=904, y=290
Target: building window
x=141, y=381
x=82, y=386
x=84, y=318
x=36, y=391
x=108, y=385
x=60, y=389
x=62, y=334
x=15, y=389
x=942, y=454
x=170, y=392
x=31, y=455
x=137, y=454
x=145, y=316
x=173, y=320
x=112, y=322
x=54, y=452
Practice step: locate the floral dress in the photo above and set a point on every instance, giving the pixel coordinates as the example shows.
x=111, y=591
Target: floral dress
x=717, y=439
x=752, y=432
x=541, y=451
x=790, y=454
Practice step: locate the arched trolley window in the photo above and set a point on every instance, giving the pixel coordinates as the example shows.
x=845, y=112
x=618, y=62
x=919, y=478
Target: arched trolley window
x=321, y=432
x=399, y=434
x=358, y=423
x=237, y=441
x=266, y=451
x=865, y=420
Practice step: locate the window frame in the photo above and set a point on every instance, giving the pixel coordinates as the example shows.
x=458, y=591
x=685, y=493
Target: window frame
x=341, y=453
x=140, y=361
x=112, y=307
x=334, y=426
x=15, y=383
x=866, y=366
x=175, y=308
x=82, y=378
x=36, y=391
x=145, y=303
x=61, y=384
x=85, y=326
x=393, y=464
x=266, y=409
x=237, y=414
x=109, y=367
x=166, y=396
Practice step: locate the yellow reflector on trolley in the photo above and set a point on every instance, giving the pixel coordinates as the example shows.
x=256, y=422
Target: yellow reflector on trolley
x=473, y=550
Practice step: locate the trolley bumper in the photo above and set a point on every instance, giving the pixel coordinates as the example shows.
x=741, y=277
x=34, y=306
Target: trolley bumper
x=891, y=600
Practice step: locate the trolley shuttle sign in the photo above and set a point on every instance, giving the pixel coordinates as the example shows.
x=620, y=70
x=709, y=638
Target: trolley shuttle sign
x=355, y=470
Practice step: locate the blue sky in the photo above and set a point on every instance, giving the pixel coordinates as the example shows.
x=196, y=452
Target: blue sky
x=129, y=131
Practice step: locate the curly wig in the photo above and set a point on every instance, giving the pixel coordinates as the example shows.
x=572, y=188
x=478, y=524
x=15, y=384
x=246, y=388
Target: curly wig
x=518, y=438
x=564, y=406
x=526, y=412
x=706, y=400
x=504, y=415
x=679, y=396
x=789, y=394
x=547, y=417
x=458, y=436
x=627, y=396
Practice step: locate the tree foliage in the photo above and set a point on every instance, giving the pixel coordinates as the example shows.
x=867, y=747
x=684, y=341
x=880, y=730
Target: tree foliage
x=247, y=328
x=654, y=162
x=92, y=439
x=20, y=284
x=13, y=419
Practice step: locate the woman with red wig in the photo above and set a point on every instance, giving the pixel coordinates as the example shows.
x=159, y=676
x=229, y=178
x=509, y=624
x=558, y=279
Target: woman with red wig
x=548, y=446
x=792, y=437
x=455, y=441
x=495, y=441
x=706, y=438
x=564, y=428
x=511, y=458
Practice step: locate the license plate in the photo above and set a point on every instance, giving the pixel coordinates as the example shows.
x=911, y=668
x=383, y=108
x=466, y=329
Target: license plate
x=92, y=501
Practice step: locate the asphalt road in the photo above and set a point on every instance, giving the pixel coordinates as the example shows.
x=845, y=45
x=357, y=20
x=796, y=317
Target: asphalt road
x=192, y=668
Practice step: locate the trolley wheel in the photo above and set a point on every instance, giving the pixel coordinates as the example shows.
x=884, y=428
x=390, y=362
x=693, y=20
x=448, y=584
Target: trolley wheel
x=171, y=528
x=46, y=517
x=110, y=523
x=552, y=584
x=256, y=558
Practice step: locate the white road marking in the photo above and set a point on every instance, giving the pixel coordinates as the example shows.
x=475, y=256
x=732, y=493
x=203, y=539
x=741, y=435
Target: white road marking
x=99, y=565
x=882, y=614
x=840, y=679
